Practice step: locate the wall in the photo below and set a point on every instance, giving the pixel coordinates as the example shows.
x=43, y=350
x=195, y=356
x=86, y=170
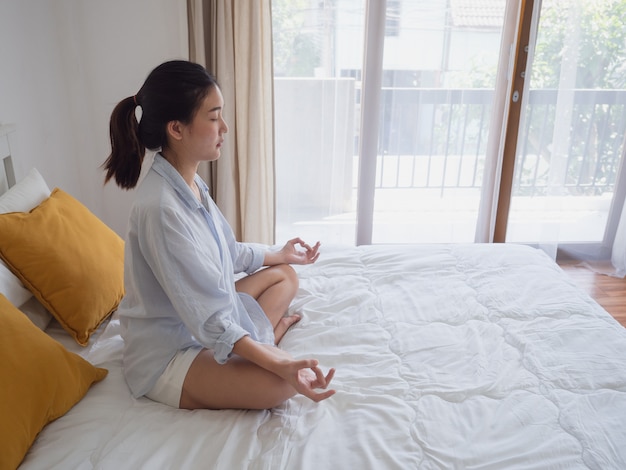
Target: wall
x=64, y=65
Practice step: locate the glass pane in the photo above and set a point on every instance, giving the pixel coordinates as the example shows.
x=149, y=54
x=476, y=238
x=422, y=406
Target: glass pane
x=440, y=63
x=439, y=74
x=318, y=54
x=572, y=132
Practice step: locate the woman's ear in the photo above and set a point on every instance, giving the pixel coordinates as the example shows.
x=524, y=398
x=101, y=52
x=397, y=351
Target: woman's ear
x=174, y=130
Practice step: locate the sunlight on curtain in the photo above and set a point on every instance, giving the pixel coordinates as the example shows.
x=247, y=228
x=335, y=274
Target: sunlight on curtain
x=618, y=254
x=569, y=153
x=233, y=40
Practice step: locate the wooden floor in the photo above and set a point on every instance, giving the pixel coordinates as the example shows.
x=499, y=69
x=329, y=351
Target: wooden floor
x=608, y=291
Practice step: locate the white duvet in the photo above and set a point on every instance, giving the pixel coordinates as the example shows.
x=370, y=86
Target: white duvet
x=461, y=356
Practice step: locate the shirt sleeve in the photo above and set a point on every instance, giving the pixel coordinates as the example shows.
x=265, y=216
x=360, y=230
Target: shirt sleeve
x=246, y=257
x=189, y=270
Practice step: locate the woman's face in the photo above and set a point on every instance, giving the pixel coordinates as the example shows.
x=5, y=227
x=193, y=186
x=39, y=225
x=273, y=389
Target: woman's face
x=203, y=137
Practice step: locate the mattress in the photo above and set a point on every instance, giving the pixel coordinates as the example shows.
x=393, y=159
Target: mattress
x=447, y=356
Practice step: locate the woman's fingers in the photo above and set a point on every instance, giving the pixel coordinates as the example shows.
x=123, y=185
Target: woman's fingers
x=307, y=255
x=319, y=396
x=322, y=380
x=329, y=376
x=311, y=377
x=312, y=253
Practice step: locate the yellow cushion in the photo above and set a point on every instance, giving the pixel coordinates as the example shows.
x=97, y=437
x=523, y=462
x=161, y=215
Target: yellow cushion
x=70, y=260
x=40, y=380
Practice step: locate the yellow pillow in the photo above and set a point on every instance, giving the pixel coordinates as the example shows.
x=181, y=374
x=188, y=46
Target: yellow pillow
x=70, y=260
x=41, y=381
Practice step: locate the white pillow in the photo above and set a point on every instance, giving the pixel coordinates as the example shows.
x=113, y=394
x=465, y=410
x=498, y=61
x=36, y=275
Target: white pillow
x=25, y=195
x=11, y=287
x=37, y=313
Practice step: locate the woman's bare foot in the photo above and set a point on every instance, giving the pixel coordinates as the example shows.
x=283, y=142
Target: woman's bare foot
x=283, y=325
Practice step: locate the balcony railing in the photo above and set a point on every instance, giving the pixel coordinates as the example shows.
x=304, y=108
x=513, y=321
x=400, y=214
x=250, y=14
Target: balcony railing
x=434, y=141
x=436, y=138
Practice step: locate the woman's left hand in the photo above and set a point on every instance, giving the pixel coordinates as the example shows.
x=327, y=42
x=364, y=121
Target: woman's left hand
x=292, y=255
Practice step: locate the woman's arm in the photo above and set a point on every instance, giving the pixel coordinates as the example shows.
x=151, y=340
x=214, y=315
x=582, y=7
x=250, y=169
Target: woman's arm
x=304, y=375
x=289, y=254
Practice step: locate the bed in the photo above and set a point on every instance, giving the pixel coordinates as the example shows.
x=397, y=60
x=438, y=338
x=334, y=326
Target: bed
x=447, y=356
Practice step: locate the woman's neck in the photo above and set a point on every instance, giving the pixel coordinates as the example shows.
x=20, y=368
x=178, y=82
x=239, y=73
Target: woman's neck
x=186, y=168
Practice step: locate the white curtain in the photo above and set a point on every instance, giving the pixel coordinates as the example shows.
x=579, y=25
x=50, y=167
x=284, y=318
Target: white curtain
x=552, y=220
x=233, y=39
x=618, y=255
x=618, y=252
x=553, y=232
x=549, y=230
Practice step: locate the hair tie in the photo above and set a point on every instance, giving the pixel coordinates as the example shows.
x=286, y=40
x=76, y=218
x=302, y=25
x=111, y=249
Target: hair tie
x=135, y=100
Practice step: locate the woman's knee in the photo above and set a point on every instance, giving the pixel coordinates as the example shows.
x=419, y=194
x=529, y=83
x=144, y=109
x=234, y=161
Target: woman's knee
x=289, y=275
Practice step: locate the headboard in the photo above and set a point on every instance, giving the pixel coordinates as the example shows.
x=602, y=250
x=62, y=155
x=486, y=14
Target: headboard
x=7, y=174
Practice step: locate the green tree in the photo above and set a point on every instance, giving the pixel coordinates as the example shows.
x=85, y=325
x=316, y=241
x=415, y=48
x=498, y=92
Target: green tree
x=296, y=46
x=601, y=44
x=597, y=32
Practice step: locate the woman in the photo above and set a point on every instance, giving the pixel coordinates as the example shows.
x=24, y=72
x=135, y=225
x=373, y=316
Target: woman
x=194, y=337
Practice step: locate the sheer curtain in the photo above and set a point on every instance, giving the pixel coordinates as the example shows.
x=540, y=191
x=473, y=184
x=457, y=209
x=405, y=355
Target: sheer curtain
x=571, y=135
x=233, y=39
x=618, y=252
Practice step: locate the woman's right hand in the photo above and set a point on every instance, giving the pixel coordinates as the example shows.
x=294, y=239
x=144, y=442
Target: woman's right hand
x=304, y=375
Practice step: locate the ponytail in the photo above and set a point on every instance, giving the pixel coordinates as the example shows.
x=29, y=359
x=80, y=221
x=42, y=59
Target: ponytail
x=173, y=91
x=127, y=151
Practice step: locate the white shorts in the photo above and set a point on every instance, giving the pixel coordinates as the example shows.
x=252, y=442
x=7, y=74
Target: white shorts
x=169, y=387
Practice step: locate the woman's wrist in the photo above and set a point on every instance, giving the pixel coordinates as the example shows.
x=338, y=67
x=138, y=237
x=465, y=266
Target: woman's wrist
x=275, y=257
x=270, y=258
x=264, y=355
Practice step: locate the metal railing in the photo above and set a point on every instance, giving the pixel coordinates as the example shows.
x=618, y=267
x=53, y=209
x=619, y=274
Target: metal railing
x=436, y=138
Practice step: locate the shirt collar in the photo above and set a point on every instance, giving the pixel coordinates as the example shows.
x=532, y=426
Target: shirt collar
x=174, y=179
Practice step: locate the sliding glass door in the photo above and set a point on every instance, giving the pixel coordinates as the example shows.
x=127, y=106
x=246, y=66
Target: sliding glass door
x=438, y=80
x=566, y=187
x=428, y=125
x=390, y=122
x=318, y=55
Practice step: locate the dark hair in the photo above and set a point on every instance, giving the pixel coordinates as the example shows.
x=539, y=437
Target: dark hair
x=172, y=92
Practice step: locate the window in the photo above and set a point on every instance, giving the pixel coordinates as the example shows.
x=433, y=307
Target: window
x=572, y=132
x=392, y=19
x=434, y=115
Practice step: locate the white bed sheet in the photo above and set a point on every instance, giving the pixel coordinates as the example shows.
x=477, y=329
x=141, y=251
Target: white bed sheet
x=447, y=356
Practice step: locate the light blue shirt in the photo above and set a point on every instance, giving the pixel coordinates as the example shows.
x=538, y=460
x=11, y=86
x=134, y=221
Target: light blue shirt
x=181, y=258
